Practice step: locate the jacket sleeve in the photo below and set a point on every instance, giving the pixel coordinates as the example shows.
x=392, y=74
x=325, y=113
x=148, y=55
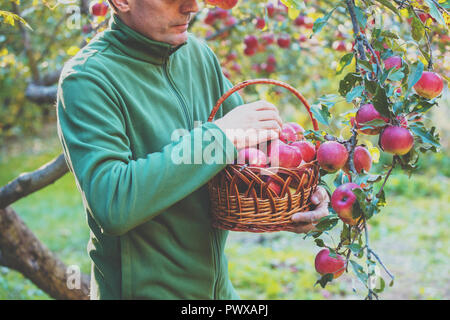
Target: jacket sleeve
x=120, y=192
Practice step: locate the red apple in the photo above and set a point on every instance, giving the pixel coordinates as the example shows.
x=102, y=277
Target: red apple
x=297, y=128
x=332, y=156
x=299, y=21
x=274, y=186
x=288, y=133
x=368, y=113
x=224, y=4
x=302, y=38
x=342, y=201
x=251, y=41
x=430, y=85
x=361, y=160
x=220, y=13
x=339, y=46
x=99, y=9
x=283, y=155
x=324, y=263
x=249, y=51
x=252, y=156
x=269, y=68
x=260, y=23
x=306, y=148
x=396, y=140
x=394, y=61
x=271, y=59
x=268, y=38
x=230, y=21
x=284, y=41
x=270, y=10
x=210, y=18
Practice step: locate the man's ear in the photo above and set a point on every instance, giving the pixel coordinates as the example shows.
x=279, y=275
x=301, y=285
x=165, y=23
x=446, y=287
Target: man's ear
x=121, y=5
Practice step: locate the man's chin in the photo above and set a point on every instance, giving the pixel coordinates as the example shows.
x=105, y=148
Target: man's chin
x=178, y=39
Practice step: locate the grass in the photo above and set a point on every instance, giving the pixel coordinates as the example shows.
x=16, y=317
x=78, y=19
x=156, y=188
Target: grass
x=410, y=235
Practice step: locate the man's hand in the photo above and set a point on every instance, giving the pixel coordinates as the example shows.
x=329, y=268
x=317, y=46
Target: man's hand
x=306, y=220
x=250, y=124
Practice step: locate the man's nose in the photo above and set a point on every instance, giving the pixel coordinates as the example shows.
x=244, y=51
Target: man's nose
x=189, y=6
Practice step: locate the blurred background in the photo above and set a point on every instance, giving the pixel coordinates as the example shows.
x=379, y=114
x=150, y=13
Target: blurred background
x=409, y=234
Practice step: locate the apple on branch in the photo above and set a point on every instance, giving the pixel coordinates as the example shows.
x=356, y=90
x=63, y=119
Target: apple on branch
x=367, y=113
x=332, y=156
x=324, y=263
x=430, y=85
x=396, y=140
x=342, y=201
x=98, y=9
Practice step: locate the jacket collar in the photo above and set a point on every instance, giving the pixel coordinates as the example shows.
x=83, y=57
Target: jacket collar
x=136, y=44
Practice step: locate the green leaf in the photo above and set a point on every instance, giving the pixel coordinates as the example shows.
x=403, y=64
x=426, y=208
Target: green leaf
x=321, y=113
x=328, y=277
x=435, y=13
x=395, y=74
x=377, y=123
x=390, y=6
x=319, y=242
x=380, y=102
x=349, y=81
x=415, y=74
x=355, y=93
x=359, y=271
x=345, y=61
x=425, y=135
x=362, y=19
x=327, y=223
x=294, y=4
x=355, y=248
x=322, y=21
x=417, y=28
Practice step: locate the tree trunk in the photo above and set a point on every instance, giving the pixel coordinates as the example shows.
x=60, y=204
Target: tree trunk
x=22, y=251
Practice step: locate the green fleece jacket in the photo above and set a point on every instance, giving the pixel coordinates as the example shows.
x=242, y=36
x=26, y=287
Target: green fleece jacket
x=120, y=101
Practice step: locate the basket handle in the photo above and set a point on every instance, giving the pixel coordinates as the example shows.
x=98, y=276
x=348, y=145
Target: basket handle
x=246, y=83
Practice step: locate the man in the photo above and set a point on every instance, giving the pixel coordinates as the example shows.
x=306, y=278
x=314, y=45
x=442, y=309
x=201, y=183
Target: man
x=119, y=101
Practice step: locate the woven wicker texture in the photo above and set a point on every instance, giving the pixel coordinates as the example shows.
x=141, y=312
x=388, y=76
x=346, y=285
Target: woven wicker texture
x=241, y=199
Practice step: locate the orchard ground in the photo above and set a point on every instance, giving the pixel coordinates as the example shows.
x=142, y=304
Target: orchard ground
x=410, y=235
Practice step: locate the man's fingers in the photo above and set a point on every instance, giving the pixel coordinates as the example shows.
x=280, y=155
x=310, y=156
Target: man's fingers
x=319, y=196
x=270, y=115
x=264, y=105
x=304, y=228
x=311, y=216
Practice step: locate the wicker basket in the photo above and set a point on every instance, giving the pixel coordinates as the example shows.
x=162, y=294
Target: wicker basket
x=239, y=194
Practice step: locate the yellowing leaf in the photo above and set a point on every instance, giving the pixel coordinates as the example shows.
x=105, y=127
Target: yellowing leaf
x=293, y=13
x=374, y=152
x=72, y=50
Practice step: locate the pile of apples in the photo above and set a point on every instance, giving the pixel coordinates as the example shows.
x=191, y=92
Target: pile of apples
x=289, y=151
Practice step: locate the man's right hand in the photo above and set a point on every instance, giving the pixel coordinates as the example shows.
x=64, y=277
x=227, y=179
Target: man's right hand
x=250, y=124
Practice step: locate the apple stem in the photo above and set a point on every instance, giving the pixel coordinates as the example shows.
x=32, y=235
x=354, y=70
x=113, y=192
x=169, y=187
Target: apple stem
x=394, y=160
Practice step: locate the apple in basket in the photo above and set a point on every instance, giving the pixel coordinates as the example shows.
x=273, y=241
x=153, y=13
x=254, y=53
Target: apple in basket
x=274, y=186
x=306, y=148
x=283, y=155
x=253, y=157
x=288, y=133
x=298, y=130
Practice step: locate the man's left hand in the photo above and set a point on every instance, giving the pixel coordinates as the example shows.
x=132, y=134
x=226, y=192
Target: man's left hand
x=306, y=221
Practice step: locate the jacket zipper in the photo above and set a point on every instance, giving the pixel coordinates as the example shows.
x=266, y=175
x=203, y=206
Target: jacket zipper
x=179, y=98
